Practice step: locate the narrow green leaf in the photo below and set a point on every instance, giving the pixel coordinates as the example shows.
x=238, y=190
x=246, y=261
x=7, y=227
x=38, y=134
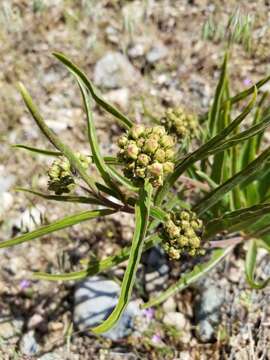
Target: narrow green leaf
x=57, y=225
x=250, y=267
x=98, y=266
x=104, y=104
x=53, y=138
x=38, y=151
x=93, y=141
x=236, y=220
x=199, y=270
x=244, y=94
x=214, y=114
x=64, y=198
x=110, y=160
x=202, y=152
x=218, y=193
x=142, y=210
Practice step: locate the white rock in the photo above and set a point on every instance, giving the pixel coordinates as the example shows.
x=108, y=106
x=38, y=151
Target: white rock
x=114, y=70
x=175, y=319
x=169, y=305
x=157, y=53
x=28, y=344
x=119, y=97
x=95, y=299
x=6, y=201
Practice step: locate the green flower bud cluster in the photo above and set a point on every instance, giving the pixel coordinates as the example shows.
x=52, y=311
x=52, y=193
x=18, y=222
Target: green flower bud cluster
x=182, y=234
x=147, y=153
x=61, y=174
x=178, y=122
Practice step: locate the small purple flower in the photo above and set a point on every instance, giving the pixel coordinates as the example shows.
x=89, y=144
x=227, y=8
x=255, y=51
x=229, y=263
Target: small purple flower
x=149, y=313
x=247, y=82
x=24, y=284
x=156, y=339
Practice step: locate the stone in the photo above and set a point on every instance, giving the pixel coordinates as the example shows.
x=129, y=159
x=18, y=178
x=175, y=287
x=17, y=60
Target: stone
x=208, y=311
x=205, y=331
x=50, y=356
x=169, y=305
x=157, y=271
x=157, y=53
x=35, y=321
x=28, y=344
x=10, y=328
x=175, y=319
x=95, y=299
x=119, y=97
x=6, y=201
x=114, y=71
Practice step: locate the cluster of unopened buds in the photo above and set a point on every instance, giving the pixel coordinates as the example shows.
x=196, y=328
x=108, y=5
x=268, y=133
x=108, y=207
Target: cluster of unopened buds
x=61, y=175
x=147, y=153
x=182, y=233
x=180, y=123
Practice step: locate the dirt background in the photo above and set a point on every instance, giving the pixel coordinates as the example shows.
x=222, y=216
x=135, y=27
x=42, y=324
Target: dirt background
x=170, y=65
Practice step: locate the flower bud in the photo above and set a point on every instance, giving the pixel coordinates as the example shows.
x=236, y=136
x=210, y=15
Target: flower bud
x=159, y=130
x=132, y=151
x=150, y=146
x=166, y=141
x=169, y=154
x=168, y=167
x=160, y=155
x=140, y=172
x=180, y=236
x=122, y=141
x=143, y=159
x=136, y=131
x=156, y=169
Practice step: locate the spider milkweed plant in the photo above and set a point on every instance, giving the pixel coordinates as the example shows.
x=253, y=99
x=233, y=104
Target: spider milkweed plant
x=229, y=156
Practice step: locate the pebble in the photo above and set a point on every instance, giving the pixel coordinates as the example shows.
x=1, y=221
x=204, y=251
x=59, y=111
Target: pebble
x=35, y=321
x=119, y=97
x=169, y=305
x=208, y=311
x=175, y=319
x=28, y=344
x=157, y=53
x=10, y=328
x=94, y=300
x=50, y=356
x=114, y=71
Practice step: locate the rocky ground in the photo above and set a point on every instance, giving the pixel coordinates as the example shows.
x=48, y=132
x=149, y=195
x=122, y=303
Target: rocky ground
x=144, y=55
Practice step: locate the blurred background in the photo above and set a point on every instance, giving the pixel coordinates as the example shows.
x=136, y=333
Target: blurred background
x=144, y=56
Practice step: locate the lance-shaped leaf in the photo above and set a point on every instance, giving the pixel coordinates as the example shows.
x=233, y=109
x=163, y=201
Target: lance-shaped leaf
x=37, y=150
x=93, y=141
x=199, y=270
x=244, y=94
x=109, y=160
x=236, y=220
x=250, y=266
x=241, y=96
x=142, y=210
x=53, y=138
x=64, y=198
x=218, y=193
x=97, y=266
x=124, y=121
x=202, y=152
x=214, y=114
x=57, y=225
